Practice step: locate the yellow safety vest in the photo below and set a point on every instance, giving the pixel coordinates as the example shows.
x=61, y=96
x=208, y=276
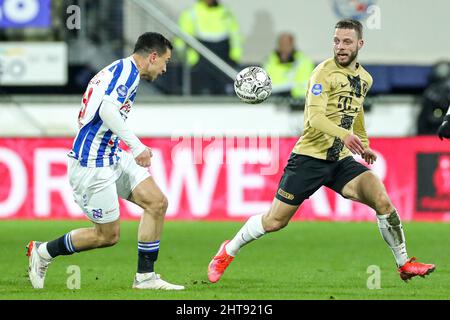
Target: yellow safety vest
x=212, y=24
x=294, y=73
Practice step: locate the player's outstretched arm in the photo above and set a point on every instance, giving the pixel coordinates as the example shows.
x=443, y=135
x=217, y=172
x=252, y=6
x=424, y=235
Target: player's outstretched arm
x=111, y=117
x=444, y=128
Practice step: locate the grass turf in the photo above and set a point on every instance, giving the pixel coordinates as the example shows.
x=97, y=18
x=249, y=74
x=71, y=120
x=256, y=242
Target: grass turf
x=306, y=260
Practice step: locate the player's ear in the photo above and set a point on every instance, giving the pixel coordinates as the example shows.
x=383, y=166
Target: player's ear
x=152, y=56
x=360, y=43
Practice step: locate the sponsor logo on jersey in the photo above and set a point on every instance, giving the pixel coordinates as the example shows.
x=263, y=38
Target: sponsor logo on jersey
x=122, y=91
x=285, y=194
x=97, y=213
x=96, y=80
x=316, y=89
x=125, y=108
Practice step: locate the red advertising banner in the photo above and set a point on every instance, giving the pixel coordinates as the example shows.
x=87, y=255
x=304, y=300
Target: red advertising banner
x=226, y=179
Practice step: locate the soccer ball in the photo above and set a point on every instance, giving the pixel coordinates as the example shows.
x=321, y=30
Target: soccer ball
x=253, y=85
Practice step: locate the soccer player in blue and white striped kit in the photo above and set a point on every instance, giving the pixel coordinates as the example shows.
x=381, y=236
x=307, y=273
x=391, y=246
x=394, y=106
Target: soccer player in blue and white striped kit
x=100, y=172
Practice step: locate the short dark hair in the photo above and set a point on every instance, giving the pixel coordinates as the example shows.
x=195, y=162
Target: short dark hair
x=152, y=41
x=351, y=24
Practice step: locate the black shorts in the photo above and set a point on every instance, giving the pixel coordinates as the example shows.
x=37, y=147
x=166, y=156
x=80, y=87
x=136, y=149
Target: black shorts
x=304, y=175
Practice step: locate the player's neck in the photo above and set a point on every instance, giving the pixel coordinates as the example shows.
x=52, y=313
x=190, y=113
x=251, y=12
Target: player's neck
x=138, y=61
x=353, y=66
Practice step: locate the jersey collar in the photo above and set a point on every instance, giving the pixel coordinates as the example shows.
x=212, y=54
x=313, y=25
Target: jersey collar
x=358, y=66
x=133, y=61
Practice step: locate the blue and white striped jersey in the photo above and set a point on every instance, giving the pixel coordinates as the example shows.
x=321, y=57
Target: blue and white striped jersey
x=95, y=145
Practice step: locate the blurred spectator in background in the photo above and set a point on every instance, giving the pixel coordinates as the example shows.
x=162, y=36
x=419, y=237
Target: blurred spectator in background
x=216, y=28
x=435, y=100
x=289, y=67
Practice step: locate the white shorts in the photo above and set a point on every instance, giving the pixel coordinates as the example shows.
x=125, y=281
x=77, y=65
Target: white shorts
x=96, y=190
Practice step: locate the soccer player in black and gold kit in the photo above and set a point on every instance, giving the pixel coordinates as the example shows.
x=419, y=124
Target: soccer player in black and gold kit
x=333, y=130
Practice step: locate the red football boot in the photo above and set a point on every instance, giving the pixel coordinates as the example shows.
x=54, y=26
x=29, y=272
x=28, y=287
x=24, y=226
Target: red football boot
x=219, y=263
x=412, y=268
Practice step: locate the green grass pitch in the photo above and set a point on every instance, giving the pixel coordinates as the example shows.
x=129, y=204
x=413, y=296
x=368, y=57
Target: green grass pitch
x=306, y=260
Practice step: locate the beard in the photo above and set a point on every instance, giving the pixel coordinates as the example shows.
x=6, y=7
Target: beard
x=351, y=58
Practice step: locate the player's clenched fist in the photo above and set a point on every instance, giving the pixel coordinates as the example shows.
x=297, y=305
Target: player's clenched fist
x=353, y=143
x=444, y=128
x=144, y=158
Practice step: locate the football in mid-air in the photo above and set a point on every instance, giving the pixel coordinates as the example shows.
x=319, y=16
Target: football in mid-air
x=253, y=85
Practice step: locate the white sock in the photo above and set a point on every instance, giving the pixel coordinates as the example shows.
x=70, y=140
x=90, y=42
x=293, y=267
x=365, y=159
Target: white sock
x=43, y=252
x=392, y=232
x=144, y=276
x=400, y=254
x=252, y=230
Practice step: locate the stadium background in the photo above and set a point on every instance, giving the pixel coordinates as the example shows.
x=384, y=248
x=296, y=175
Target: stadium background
x=214, y=157
x=32, y=124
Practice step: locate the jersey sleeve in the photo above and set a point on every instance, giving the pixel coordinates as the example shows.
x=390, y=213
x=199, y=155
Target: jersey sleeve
x=318, y=89
x=359, y=128
x=124, y=75
x=316, y=102
x=114, y=122
x=370, y=82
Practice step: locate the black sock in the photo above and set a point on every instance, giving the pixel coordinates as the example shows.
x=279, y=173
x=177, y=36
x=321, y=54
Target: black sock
x=147, y=255
x=61, y=247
